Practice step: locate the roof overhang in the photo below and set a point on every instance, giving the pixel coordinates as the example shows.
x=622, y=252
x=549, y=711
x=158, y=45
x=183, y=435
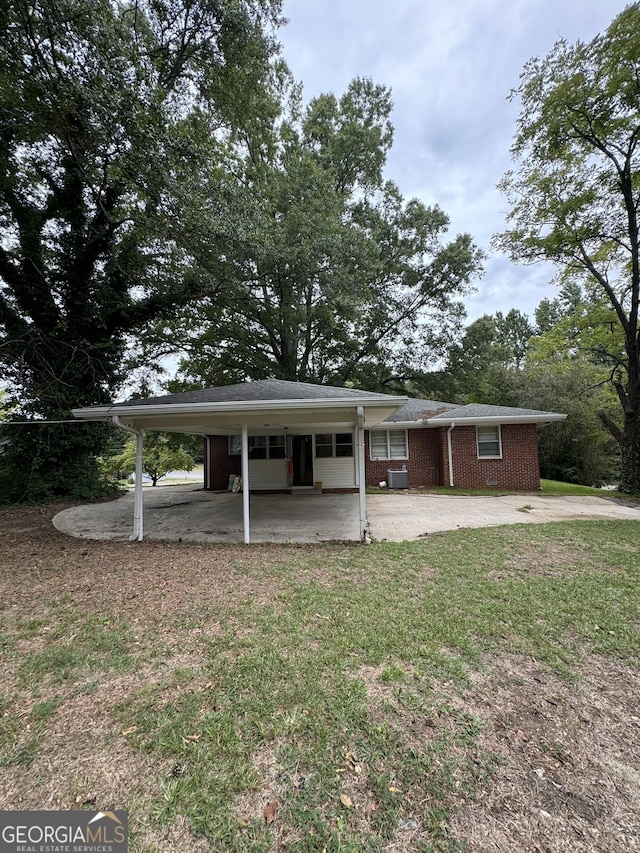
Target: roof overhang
x=227, y=418
x=539, y=419
x=401, y=425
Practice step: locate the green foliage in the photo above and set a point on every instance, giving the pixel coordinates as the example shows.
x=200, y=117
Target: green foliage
x=161, y=454
x=579, y=449
x=333, y=276
x=481, y=366
x=41, y=462
x=104, y=109
x=574, y=199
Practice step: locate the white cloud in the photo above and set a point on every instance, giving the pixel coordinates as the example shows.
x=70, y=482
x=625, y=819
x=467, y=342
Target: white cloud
x=450, y=67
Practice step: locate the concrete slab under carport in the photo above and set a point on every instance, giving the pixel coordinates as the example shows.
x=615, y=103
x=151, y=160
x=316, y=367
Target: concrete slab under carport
x=190, y=514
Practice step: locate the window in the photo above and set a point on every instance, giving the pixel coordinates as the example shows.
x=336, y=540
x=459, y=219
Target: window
x=339, y=444
x=260, y=446
x=388, y=444
x=276, y=447
x=324, y=446
x=489, y=444
x=257, y=447
x=344, y=444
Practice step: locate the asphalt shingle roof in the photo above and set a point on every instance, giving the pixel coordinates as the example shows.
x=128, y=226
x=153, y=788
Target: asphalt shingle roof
x=261, y=390
x=418, y=410
x=479, y=410
x=267, y=390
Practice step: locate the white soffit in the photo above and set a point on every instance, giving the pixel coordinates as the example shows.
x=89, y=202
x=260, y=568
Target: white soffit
x=227, y=418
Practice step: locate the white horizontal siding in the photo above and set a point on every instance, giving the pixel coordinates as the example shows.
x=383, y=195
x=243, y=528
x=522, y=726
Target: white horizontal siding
x=335, y=472
x=268, y=474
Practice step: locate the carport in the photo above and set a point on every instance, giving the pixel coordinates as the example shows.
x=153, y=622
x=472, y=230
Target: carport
x=190, y=514
x=250, y=408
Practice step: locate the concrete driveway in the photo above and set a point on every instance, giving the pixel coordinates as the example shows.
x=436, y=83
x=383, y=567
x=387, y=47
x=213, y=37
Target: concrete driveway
x=188, y=513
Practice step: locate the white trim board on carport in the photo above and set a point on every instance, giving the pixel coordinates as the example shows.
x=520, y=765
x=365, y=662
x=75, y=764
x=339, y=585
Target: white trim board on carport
x=341, y=410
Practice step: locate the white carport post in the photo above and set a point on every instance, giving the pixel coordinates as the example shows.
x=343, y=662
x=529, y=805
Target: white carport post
x=138, y=505
x=245, y=483
x=362, y=495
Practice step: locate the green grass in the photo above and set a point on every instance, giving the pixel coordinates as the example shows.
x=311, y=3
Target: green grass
x=554, y=487
x=342, y=687
x=547, y=487
x=293, y=686
x=94, y=643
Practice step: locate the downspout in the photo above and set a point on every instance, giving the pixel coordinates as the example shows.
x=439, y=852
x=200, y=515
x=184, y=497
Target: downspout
x=362, y=495
x=449, y=431
x=245, y=483
x=138, y=508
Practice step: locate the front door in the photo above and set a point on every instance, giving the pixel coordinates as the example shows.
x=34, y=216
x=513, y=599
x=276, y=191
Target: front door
x=302, y=458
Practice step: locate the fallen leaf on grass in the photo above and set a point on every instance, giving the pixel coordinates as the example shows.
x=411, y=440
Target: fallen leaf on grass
x=346, y=801
x=129, y=731
x=271, y=812
x=191, y=739
x=394, y=790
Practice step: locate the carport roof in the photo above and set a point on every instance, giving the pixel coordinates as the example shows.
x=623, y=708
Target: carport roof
x=263, y=390
x=269, y=403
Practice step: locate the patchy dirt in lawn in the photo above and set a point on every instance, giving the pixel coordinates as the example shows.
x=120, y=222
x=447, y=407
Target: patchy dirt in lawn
x=569, y=777
x=568, y=771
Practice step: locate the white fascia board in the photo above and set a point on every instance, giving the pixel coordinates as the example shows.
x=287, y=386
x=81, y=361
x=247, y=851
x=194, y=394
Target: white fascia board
x=497, y=419
x=93, y=413
x=399, y=425
x=235, y=406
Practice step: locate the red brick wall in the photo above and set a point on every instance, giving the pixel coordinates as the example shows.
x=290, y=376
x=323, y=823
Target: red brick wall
x=443, y=456
x=428, y=465
x=422, y=464
x=221, y=464
x=518, y=470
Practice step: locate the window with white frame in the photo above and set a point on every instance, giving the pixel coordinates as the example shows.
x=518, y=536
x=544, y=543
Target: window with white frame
x=489, y=442
x=338, y=444
x=260, y=446
x=388, y=444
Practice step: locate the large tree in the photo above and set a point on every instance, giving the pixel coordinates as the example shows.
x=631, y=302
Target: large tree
x=575, y=193
x=334, y=276
x=110, y=112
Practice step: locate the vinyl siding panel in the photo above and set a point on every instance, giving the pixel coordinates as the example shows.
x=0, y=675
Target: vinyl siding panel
x=267, y=474
x=336, y=472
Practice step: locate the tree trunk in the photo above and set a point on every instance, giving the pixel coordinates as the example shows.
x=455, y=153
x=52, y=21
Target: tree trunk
x=630, y=465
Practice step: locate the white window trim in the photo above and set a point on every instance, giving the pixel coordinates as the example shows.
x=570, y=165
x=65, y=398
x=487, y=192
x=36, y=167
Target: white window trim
x=388, y=457
x=235, y=438
x=499, y=456
x=333, y=445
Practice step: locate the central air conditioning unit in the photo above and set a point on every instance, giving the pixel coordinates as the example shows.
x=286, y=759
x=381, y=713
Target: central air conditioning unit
x=398, y=479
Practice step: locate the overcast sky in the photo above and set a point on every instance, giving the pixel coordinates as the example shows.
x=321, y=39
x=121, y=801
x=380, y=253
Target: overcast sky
x=450, y=66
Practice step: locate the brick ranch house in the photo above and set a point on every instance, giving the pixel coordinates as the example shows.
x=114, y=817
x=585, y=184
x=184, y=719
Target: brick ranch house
x=437, y=443
x=283, y=436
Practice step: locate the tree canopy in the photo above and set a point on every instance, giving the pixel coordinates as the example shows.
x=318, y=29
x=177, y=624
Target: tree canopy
x=161, y=455
x=105, y=107
x=333, y=276
x=575, y=193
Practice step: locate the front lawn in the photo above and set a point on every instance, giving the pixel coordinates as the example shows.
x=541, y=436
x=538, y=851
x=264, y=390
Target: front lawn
x=547, y=487
x=476, y=691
